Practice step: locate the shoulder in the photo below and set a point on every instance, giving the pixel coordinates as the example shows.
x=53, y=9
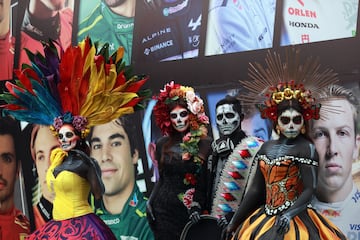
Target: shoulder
x=92, y=23
x=206, y=140
x=21, y=220
x=162, y=140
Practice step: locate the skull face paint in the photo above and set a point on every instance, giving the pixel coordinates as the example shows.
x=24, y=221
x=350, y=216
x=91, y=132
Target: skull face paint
x=227, y=119
x=290, y=123
x=179, y=118
x=67, y=137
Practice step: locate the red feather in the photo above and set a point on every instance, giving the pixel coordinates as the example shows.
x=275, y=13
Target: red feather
x=12, y=107
x=25, y=81
x=135, y=86
x=120, y=79
x=10, y=86
x=132, y=103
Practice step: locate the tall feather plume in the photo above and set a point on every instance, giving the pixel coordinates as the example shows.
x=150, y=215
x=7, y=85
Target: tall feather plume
x=80, y=80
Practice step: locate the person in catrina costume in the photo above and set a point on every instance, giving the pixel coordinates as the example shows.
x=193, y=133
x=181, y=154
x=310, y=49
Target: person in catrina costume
x=276, y=205
x=72, y=91
x=182, y=152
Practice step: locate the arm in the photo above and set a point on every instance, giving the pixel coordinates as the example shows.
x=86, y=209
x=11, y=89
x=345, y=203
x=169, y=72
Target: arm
x=93, y=175
x=199, y=200
x=254, y=198
x=308, y=175
x=158, y=152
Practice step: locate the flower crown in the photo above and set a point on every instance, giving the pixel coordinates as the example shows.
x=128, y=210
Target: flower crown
x=78, y=122
x=285, y=81
x=289, y=91
x=172, y=93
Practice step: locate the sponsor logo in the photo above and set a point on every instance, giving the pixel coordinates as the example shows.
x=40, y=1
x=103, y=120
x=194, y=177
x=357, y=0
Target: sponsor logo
x=112, y=221
x=194, y=40
x=156, y=34
x=356, y=196
x=302, y=12
x=171, y=10
x=303, y=25
x=158, y=46
x=121, y=26
x=194, y=25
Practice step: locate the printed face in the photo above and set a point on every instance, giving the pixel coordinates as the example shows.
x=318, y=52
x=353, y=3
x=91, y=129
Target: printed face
x=110, y=146
x=337, y=146
x=67, y=137
x=227, y=119
x=54, y=5
x=4, y=9
x=8, y=168
x=256, y=126
x=44, y=143
x=290, y=123
x=179, y=118
x=114, y=3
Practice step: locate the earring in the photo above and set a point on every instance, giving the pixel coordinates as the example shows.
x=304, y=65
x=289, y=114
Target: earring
x=277, y=130
x=303, y=130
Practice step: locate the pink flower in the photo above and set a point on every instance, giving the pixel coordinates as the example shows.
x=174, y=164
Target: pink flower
x=196, y=106
x=188, y=197
x=190, y=96
x=186, y=156
x=203, y=118
x=186, y=138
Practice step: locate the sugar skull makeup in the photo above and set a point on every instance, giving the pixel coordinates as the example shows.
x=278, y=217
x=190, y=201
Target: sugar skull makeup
x=179, y=117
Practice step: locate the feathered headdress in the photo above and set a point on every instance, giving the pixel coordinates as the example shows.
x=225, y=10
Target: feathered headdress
x=82, y=86
x=289, y=80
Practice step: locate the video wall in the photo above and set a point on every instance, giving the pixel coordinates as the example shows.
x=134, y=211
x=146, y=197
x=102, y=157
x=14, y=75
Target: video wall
x=206, y=44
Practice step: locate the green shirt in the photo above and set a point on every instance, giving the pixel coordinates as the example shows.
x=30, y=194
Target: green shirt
x=102, y=25
x=131, y=223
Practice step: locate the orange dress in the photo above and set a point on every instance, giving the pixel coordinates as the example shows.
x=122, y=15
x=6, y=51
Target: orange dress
x=283, y=186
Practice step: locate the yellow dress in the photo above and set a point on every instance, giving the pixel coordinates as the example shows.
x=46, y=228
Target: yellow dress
x=73, y=217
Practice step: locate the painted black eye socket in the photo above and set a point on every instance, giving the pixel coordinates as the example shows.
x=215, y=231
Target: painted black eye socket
x=229, y=115
x=68, y=135
x=220, y=116
x=297, y=119
x=181, y=114
x=285, y=120
x=184, y=114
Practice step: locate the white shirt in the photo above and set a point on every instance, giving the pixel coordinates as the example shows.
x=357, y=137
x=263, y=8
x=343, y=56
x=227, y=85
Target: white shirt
x=345, y=214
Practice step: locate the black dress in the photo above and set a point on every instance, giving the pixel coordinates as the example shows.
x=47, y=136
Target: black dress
x=172, y=195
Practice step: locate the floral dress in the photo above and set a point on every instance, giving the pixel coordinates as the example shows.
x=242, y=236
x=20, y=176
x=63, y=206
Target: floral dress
x=175, y=191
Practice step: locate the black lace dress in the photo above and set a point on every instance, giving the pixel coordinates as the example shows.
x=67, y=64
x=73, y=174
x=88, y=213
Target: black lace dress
x=173, y=194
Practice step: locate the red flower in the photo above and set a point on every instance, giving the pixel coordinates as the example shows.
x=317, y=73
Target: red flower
x=190, y=179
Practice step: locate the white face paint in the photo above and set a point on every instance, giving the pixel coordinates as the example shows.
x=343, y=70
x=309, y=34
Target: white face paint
x=179, y=117
x=290, y=123
x=67, y=137
x=227, y=119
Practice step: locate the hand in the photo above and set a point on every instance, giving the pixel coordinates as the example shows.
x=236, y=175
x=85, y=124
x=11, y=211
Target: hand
x=283, y=223
x=229, y=232
x=222, y=222
x=194, y=216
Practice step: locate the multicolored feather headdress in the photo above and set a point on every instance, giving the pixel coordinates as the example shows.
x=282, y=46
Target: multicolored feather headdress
x=289, y=80
x=82, y=86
